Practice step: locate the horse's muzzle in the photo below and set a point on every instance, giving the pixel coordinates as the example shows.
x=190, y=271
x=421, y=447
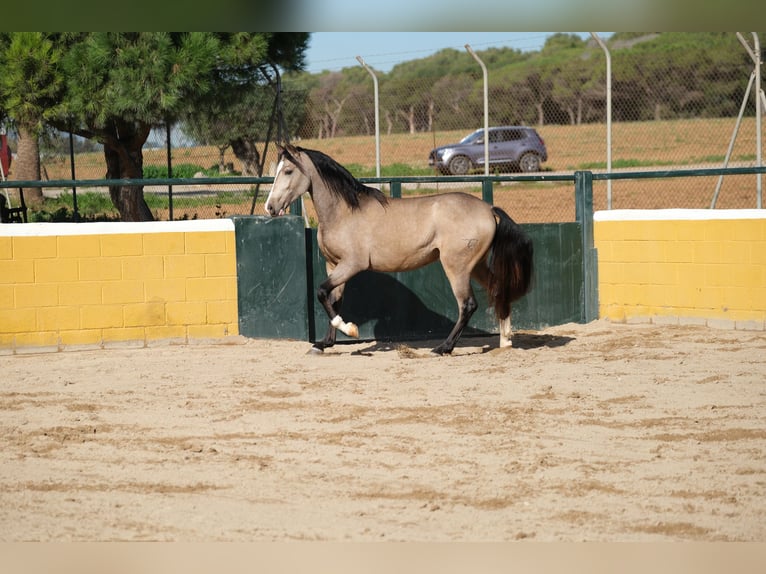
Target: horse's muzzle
x=272, y=211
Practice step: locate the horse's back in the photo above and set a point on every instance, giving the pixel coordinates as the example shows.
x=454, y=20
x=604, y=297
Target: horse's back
x=408, y=233
x=462, y=205
x=457, y=211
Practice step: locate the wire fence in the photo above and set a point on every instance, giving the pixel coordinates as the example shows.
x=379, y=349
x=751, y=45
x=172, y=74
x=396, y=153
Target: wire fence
x=670, y=113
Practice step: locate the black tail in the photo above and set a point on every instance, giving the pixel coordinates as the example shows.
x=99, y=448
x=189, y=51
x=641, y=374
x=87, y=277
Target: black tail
x=511, y=264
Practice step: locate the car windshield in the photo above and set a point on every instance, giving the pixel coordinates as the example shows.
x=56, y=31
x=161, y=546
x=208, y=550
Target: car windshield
x=472, y=137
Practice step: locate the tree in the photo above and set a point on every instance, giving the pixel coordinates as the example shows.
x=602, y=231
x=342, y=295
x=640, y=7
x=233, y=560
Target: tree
x=118, y=86
x=240, y=119
x=407, y=95
x=571, y=70
x=328, y=101
x=30, y=89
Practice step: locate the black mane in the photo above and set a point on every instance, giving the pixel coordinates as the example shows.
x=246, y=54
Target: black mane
x=340, y=181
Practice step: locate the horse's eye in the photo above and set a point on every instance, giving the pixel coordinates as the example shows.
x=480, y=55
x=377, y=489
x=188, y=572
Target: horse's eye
x=288, y=171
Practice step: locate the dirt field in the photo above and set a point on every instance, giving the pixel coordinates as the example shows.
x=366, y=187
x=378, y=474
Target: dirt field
x=596, y=432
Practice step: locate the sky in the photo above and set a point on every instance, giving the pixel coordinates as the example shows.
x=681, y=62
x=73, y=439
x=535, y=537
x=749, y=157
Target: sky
x=382, y=50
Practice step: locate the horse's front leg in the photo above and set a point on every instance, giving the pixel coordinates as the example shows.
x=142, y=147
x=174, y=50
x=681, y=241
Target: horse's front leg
x=336, y=300
x=330, y=294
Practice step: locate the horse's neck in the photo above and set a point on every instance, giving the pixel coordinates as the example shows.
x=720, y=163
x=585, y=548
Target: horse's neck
x=329, y=207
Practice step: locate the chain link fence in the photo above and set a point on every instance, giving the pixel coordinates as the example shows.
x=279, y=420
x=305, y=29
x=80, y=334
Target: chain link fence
x=671, y=110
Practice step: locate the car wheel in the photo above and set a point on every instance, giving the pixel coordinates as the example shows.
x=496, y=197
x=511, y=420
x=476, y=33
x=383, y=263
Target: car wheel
x=529, y=162
x=459, y=165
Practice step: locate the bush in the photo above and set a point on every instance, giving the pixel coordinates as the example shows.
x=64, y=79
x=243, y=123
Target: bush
x=91, y=206
x=181, y=170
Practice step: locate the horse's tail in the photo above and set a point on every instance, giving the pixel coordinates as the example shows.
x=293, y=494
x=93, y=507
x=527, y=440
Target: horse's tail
x=510, y=263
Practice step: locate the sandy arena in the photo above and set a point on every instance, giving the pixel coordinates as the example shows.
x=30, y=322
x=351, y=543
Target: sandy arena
x=599, y=432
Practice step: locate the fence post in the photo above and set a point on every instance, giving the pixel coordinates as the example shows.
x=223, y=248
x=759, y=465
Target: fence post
x=75, y=211
x=396, y=188
x=170, y=168
x=601, y=43
x=584, y=216
x=486, y=107
x=486, y=191
x=377, y=113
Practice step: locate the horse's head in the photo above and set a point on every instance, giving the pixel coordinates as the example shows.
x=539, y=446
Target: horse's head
x=290, y=182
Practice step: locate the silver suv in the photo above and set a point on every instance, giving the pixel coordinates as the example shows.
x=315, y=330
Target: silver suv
x=510, y=148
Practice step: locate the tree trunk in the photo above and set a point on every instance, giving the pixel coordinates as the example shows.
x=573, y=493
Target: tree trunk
x=123, y=153
x=27, y=164
x=247, y=152
x=430, y=115
x=222, y=158
x=409, y=116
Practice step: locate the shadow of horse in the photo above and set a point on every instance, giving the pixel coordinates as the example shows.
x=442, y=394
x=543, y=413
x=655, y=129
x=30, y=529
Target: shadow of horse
x=390, y=313
x=398, y=320
x=479, y=343
x=535, y=341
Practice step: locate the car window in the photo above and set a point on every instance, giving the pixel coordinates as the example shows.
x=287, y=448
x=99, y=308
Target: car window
x=472, y=137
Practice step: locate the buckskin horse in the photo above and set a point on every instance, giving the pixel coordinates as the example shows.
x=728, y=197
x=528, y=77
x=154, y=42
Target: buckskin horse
x=359, y=228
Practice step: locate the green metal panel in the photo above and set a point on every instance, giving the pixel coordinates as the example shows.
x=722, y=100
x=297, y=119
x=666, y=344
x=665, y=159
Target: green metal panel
x=271, y=277
x=419, y=304
x=556, y=296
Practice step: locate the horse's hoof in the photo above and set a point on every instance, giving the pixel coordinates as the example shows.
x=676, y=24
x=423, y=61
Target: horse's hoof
x=352, y=330
x=315, y=351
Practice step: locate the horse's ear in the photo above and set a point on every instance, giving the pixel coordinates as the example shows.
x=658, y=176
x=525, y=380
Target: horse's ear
x=291, y=149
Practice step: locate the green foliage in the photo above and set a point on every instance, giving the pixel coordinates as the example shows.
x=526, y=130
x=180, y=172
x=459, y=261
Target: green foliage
x=30, y=82
x=96, y=206
x=91, y=206
x=113, y=87
x=391, y=170
x=181, y=170
x=629, y=163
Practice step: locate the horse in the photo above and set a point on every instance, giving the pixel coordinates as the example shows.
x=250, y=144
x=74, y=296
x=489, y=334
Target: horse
x=360, y=228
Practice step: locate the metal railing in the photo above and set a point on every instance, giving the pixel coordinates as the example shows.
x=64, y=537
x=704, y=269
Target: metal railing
x=396, y=184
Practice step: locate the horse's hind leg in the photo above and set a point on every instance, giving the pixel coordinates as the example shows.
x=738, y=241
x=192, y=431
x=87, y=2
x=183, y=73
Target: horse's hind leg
x=481, y=275
x=461, y=288
x=506, y=332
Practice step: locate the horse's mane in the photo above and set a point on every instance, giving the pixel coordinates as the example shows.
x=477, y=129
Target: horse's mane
x=340, y=181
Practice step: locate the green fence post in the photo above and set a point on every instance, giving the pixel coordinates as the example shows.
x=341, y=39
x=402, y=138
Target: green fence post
x=584, y=216
x=396, y=188
x=486, y=191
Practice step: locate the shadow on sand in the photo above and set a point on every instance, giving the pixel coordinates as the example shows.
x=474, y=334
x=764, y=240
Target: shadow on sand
x=392, y=317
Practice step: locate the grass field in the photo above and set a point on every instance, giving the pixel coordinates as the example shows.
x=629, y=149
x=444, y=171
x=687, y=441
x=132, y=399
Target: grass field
x=636, y=145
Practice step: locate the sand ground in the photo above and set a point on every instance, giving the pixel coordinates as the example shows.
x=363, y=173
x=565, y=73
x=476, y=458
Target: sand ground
x=598, y=432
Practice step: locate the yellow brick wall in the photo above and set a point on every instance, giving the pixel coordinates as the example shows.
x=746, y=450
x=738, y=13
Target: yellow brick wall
x=100, y=284
x=683, y=266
